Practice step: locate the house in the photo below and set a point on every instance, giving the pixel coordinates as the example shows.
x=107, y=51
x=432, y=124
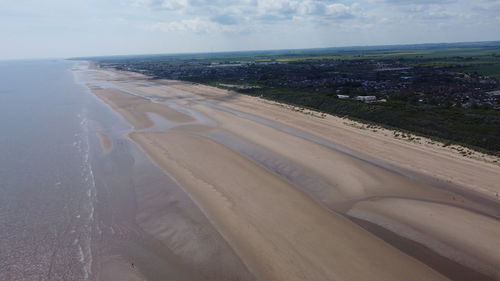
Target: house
x=494, y=93
x=366, y=98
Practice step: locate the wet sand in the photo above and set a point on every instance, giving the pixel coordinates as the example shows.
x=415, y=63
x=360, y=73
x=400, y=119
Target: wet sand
x=440, y=227
x=147, y=227
x=105, y=141
x=276, y=184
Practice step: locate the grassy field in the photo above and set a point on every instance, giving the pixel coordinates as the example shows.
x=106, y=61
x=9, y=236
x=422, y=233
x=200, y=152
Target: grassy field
x=302, y=58
x=492, y=70
x=482, y=60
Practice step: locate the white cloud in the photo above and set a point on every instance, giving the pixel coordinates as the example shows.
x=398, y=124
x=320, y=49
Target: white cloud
x=161, y=4
x=200, y=15
x=190, y=25
x=183, y=25
x=118, y=26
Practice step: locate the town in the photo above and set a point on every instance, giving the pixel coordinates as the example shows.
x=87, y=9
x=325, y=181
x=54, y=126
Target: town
x=364, y=80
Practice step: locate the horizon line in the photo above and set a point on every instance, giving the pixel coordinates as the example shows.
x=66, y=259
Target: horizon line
x=252, y=50
x=292, y=49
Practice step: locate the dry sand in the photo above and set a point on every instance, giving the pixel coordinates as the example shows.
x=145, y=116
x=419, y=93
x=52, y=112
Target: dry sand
x=274, y=195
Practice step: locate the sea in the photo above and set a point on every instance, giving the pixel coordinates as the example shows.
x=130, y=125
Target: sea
x=47, y=187
x=49, y=149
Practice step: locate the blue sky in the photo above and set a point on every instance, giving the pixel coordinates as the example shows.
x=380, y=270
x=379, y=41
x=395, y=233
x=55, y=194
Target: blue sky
x=66, y=28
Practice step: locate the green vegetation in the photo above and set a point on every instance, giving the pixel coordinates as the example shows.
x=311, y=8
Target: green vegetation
x=476, y=128
x=492, y=70
x=484, y=60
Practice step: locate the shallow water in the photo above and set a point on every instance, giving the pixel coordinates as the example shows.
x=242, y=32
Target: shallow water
x=47, y=188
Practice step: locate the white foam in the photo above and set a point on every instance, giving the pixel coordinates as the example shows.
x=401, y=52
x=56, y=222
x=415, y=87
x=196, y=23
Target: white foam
x=85, y=240
x=81, y=255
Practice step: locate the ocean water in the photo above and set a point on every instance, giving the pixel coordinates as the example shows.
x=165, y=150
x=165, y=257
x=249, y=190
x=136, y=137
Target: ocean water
x=47, y=187
x=72, y=210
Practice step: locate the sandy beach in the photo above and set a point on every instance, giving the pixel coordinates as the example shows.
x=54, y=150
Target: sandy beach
x=298, y=195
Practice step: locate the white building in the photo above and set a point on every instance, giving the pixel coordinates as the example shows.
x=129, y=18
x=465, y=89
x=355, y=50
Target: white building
x=366, y=98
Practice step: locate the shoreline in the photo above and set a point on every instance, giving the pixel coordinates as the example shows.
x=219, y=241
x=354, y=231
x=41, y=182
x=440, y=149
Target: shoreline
x=186, y=95
x=149, y=228
x=355, y=130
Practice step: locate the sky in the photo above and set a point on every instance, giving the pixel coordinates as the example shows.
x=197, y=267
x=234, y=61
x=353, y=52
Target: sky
x=69, y=28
